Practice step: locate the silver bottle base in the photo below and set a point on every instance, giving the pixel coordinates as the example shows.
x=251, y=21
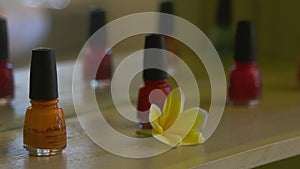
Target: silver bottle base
x=42, y=152
x=5, y=100
x=246, y=103
x=100, y=84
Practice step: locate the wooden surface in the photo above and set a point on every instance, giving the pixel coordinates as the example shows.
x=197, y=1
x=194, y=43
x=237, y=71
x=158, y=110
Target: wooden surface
x=245, y=138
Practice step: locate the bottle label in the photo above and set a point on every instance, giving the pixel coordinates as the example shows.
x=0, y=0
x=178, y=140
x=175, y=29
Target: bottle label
x=44, y=139
x=48, y=135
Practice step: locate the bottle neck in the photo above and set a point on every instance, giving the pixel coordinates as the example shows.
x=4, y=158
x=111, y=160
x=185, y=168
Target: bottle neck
x=48, y=103
x=249, y=64
x=101, y=50
x=155, y=82
x=3, y=62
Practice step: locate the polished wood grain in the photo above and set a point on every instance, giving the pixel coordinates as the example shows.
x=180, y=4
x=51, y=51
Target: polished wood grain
x=245, y=138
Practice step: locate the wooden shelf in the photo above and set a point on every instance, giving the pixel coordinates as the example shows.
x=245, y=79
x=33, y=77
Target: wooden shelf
x=245, y=138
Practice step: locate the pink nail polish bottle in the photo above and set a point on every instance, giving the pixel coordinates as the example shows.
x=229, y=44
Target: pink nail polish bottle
x=98, y=49
x=245, y=78
x=155, y=88
x=6, y=70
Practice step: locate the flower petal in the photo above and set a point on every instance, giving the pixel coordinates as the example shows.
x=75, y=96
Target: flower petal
x=171, y=140
x=172, y=107
x=184, y=123
x=174, y=127
x=201, y=119
x=195, y=136
x=154, y=118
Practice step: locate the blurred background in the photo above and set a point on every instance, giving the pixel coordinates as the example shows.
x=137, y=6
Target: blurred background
x=63, y=24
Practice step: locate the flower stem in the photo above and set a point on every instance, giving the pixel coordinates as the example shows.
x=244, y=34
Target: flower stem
x=146, y=133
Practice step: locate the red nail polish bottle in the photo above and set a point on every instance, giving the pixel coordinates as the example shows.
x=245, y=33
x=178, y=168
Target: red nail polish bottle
x=245, y=77
x=6, y=70
x=167, y=8
x=98, y=49
x=167, y=26
x=155, y=78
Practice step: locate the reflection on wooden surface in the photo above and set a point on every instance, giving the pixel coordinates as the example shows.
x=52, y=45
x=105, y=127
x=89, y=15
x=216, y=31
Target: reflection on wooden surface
x=245, y=138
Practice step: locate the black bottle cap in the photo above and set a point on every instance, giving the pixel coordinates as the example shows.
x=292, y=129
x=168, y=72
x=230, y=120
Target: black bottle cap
x=155, y=61
x=167, y=7
x=3, y=39
x=43, y=75
x=245, y=42
x=224, y=13
x=97, y=19
x=166, y=25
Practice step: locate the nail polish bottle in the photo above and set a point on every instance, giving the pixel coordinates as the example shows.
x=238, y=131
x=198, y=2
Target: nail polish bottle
x=44, y=132
x=155, y=77
x=6, y=70
x=167, y=8
x=98, y=49
x=299, y=73
x=245, y=77
x=222, y=34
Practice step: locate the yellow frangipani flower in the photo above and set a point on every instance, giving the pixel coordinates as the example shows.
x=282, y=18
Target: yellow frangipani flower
x=174, y=126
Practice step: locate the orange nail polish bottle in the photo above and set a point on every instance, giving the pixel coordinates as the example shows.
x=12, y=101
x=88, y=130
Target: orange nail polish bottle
x=44, y=131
